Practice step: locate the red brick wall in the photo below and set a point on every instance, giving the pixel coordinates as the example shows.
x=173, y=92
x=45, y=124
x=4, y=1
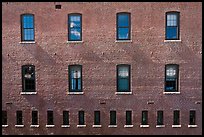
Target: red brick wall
x=99, y=54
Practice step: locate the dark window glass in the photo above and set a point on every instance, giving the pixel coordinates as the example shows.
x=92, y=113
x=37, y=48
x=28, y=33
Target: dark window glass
x=96, y=117
x=171, y=78
x=65, y=117
x=192, y=117
x=176, y=117
x=123, y=26
x=144, y=117
x=28, y=78
x=75, y=78
x=4, y=117
x=172, y=25
x=81, y=118
x=19, y=118
x=160, y=118
x=27, y=27
x=123, y=78
x=74, y=27
x=34, y=117
x=128, y=117
x=112, y=117
x=50, y=118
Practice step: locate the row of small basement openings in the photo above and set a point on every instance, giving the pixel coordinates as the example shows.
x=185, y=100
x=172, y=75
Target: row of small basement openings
x=123, y=26
x=97, y=119
x=123, y=79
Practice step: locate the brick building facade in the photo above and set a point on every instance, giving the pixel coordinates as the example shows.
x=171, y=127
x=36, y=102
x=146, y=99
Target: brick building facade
x=116, y=46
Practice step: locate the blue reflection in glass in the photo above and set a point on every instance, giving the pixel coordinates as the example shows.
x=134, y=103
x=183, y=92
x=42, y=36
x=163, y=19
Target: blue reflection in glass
x=75, y=27
x=123, y=20
x=123, y=85
x=171, y=33
x=123, y=33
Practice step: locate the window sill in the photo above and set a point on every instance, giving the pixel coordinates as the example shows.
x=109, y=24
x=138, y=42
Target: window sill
x=34, y=125
x=81, y=126
x=50, y=126
x=172, y=93
x=28, y=93
x=19, y=126
x=128, y=126
x=123, y=93
x=144, y=126
x=67, y=126
x=75, y=42
x=27, y=42
x=176, y=126
x=112, y=126
x=190, y=126
x=160, y=126
x=121, y=41
x=97, y=126
x=75, y=93
x=4, y=125
x=172, y=40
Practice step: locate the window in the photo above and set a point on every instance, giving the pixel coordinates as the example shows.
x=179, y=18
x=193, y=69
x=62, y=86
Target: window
x=123, y=26
x=160, y=118
x=172, y=25
x=128, y=118
x=4, y=117
x=65, y=117
x=171, y=78
x=34, y=117
x=27, y=27
x=97, y=118
x=123, y=78
x=75, y=78
x=144, y=117
x=74, y=27
x=112, y=117
x=50, y=118
x=192, y=120
x=81, y=118
x=176, y=117
x=19, y=118
x=28, y=78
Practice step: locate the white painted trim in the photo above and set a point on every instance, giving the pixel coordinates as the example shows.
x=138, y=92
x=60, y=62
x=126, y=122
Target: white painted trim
x=159, y=126
x=97, y=126
x=50, y=126
x=176, y=125
x=123, y=93
x=4, y=125
x=192, y=126
x=81, y=125
x=172, y=93
x=19, y=125
x=75, y=93
x=128, y=126
x=125, y=41
x=27, y=42
x=28, y=93
x=65, y=126
x=144, y=125
x=34, y=125
x=112, y=126
x=75, y=42
x=179, y=40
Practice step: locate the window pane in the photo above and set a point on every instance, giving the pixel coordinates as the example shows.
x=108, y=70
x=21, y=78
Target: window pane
x=128, y=118
x=123, y=20
x=96, y=117
x=144, y=118
x=34, y=117
x=28, y=21
x=112, y=117
x=171, y=33
x=65, y=117
x=176, y=117
x=28, y=34
x=123, y=84
x=75, y=21
x=19, y=118
x=192, y=118
x=123, y=72
x=50, y=120
x=159, y=117
x=81, y=117
x=75, y=33
x=123, y=33
x=4, y=117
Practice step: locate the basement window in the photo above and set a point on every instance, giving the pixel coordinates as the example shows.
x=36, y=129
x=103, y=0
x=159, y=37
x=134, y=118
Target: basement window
x=58, y=6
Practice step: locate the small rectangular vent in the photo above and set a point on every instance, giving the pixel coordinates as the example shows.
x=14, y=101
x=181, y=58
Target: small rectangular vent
x=58, y=6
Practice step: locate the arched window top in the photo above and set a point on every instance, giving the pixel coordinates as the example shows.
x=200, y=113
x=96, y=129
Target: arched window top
x=169, y=12
x=123, y=13
x=27, y=14
x=75, y=13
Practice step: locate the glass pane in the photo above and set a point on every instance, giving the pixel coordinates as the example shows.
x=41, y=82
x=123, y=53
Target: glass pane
x=123, y=33
x=123, y=20
x=171, y=33
x=28, y=22
x=123, y=72
x=75, y=34
x=123, y=85
x=28, y=34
